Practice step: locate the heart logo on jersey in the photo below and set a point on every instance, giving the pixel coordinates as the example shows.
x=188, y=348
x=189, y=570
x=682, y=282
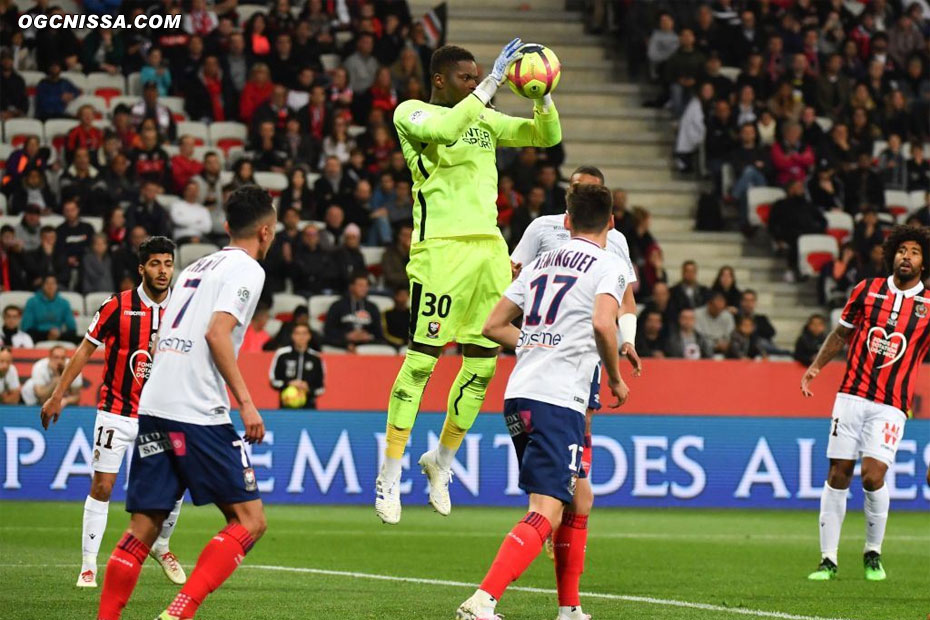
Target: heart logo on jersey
x=140, y=372
x=885, y=346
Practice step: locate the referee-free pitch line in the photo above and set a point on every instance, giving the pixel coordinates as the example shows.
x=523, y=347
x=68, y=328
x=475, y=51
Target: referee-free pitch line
x=613, y=597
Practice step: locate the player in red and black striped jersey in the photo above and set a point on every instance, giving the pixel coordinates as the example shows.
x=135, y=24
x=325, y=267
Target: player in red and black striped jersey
x=126, y=325
x=886, y=323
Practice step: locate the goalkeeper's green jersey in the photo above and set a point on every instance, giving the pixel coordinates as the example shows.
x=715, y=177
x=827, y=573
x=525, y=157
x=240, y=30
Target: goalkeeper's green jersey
x=451, y=153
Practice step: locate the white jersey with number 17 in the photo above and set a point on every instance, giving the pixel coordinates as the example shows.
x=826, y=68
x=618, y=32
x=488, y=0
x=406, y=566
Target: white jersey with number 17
x=185, y=384
x=557, y=353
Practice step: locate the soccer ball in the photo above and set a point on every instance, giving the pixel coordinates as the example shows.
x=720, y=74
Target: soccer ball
x=536, y=74
x=293, y=397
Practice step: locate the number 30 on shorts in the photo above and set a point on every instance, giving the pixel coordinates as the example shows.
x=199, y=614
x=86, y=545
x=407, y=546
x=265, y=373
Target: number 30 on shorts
x=438, y=306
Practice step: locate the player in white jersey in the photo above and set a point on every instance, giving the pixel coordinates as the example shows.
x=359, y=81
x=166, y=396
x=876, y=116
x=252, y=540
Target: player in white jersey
x=186, y=440
x=570, y=299
x=548, y=232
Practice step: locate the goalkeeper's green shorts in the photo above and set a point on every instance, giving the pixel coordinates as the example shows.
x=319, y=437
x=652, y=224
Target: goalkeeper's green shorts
x=454, y=284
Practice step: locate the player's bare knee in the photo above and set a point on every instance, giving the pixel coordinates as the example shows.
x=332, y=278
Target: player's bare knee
x=583, y=501
x=256, y=525
x=146, y=526
x=873, y=478
x=840, y=474
x=101, y=487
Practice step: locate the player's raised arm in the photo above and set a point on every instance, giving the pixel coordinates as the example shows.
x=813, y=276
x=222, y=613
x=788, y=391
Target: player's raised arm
x=51, y=410
x=543, y=130
x=417, y=122
x=604, y=320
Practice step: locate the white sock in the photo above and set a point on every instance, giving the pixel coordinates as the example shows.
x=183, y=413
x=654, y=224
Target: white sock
x=876, y=518
x=485, y=601
x=167, y=528
x=392, y=469
x=832, y=513
x=445, y=456
x=95, y=524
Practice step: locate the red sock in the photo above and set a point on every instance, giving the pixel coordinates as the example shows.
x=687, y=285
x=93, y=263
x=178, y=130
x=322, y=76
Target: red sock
x=570, y=540
x=123, y=570
x=218, y=560
x=517, y=552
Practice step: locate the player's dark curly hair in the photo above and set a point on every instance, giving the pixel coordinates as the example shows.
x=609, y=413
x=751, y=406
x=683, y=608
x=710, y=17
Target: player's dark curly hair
x=919, y=235
x=155, y=245
x=245, y=207
x=446, y=56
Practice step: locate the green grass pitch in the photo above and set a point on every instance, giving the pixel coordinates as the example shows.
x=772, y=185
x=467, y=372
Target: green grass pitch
x=694, y=564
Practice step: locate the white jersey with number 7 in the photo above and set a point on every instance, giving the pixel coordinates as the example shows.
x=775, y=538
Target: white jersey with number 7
x=185, y=384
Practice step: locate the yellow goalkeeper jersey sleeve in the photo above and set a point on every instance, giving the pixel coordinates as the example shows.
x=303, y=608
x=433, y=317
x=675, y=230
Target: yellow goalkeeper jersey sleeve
x=451, y=153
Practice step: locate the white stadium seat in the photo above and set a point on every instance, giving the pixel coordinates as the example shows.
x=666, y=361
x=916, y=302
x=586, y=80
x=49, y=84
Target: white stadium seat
x=274, y=182
x=760, y=201
x=126, y=100
x=383, y=302
x=319, y=305
x=196, y=129
x=76, y=300
x=134, y=84
x=227, y=134
x=51, y=344
x=93, y=301
x=285, y=303
x=189, y=252
x=106, y=85
x=15, y=130
x=56, y=131
x=78, y=79
x=814, y=251
x=375, y=349
x=99, y=104
x=918, y=199
x=372, y=256
x=93, y=220
x=897, y=201
x=839, y=225
x=15, y=298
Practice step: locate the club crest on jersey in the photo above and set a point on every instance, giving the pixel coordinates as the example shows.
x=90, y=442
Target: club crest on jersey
x=887, y=345
x=892, y=319
x=920, y=310
x=140, y=368
x=432, y=329
x=248, y=477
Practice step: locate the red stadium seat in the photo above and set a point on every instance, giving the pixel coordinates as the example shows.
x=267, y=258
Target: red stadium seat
x=108, y=93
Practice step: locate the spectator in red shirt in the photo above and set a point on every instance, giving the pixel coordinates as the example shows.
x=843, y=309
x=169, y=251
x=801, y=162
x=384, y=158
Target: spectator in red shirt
x=791, y=158
x=183, y=165
x=256, y=92
x=382, y=93
x=84, y=135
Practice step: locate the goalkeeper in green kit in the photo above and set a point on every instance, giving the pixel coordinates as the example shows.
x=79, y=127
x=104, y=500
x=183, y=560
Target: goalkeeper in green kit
x=459, y=265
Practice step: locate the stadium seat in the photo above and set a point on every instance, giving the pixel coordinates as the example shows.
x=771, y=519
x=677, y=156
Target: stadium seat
x=815, y=251
x=897, y=201
x=201, y=151
x=835, y=315
x=93, y=301
x=761, y=200
x=166, y=200
x=83, y=321
x=52, y=219
x=189, y=252
x=731, y=73
x=78, y=79
x=3, y=207
x=272, y=327
x=246, y=11
x=51, y=344
x=284, y=304
x=311, y=179
x=14, y=298
x=134, y=84
x=99, y=104
x=274, y=182
x=333, y=350
x=56, y=131
x=106, y=85
x=32, y=79
x=372, y=256
x=383, y=302
x=355, y=131
x=196, y=129
x=839, y=225
x=918, y=199
x=319, y=305
x=171, y=149
x=16, y=130
x=76, y=300
x=330, y=61
x=375, y=349
x=227, y=134
x=175, y=104
x=5, y=150
x=880, y=145
x=126, y=100
x=825, y=122
x=93, y=220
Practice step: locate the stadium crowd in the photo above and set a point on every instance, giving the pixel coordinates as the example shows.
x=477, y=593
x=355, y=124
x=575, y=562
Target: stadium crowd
x=809, y=118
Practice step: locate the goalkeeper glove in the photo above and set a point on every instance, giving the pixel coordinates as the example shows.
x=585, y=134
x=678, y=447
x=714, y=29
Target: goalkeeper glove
x=488, y=87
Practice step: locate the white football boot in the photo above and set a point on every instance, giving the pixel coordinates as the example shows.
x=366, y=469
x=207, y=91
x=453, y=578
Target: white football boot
x=572, y=613
x=169, y=563
x=87, y=578
x=439, y=479
x=476, y=608
x=387, y=500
